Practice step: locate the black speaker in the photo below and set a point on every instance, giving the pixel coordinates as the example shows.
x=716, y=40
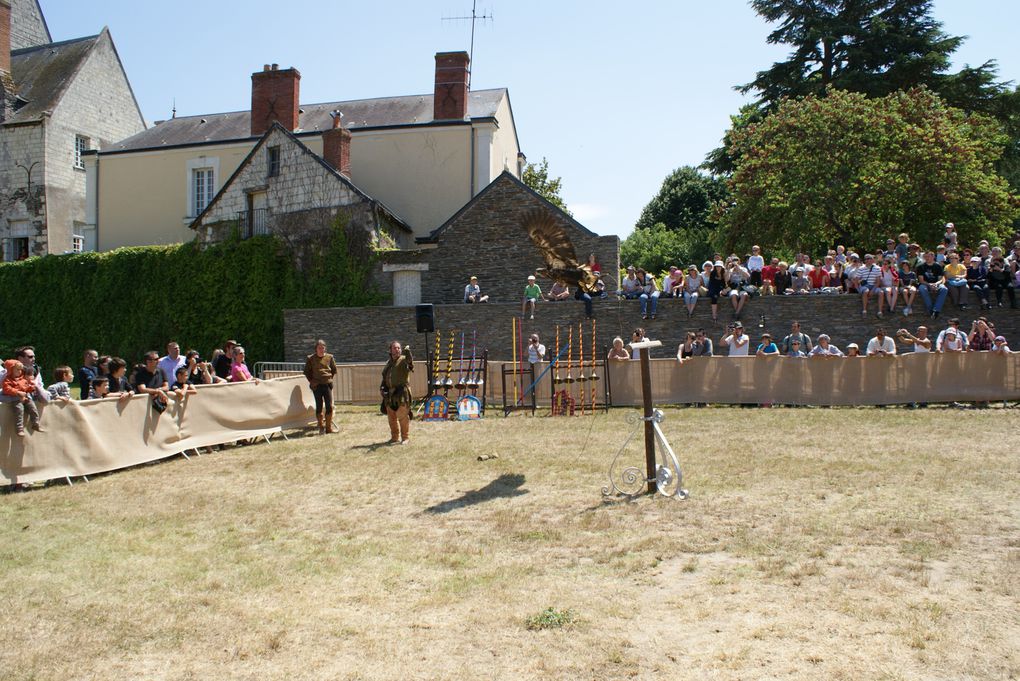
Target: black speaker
x=425, y=317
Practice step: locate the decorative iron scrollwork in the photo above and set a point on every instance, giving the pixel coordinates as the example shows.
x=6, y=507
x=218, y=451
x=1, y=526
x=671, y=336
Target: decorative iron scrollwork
x=630, y=481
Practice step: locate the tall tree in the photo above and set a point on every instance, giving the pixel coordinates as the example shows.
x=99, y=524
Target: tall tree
x=855, y=170
x=536, y=176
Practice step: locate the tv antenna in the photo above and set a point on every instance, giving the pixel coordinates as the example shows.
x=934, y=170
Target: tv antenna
x=474, y=18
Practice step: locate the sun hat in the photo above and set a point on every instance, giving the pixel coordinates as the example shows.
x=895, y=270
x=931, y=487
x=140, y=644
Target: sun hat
x=823, y=336
x=853, y=345
x=531, y=277
x=718, y=263
x=1000, y=339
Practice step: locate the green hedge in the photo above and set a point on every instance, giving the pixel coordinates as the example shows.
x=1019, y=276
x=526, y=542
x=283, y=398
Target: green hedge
x=127, y=301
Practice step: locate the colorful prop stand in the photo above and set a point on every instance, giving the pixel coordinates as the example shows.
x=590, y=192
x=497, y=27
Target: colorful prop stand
x=666, y=477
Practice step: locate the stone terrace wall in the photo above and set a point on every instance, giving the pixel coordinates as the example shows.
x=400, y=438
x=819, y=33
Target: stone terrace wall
x=361, y=334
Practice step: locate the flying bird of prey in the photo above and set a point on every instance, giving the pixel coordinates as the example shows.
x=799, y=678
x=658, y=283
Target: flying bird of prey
x=551, y=239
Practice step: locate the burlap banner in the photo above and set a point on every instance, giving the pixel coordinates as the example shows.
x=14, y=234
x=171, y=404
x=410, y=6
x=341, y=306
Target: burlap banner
x=93, y=436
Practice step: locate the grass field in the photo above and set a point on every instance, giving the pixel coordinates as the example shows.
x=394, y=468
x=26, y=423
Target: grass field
x=817, y=544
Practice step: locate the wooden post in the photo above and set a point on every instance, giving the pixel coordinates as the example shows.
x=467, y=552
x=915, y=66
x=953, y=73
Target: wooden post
x=646, y=398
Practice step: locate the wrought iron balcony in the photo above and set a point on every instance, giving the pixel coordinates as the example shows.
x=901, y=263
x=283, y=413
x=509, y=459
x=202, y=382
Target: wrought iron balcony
x=253, y=222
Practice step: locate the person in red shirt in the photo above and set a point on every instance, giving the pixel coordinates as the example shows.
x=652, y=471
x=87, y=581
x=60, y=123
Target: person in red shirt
x=17, y=384
x=768, y=277
x=819, y=276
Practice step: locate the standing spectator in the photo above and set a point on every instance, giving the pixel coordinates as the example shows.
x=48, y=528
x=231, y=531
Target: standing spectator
x=950, y=237
x=881, y=345
x=977, y=280
x=795, y=350
x=320, y=369
x=1000, y=346
x=954, y=328
x=1000, y=280
x=853, y=350
x=181, y=387
x=86, y=372
x=649, y=294
x=952, y=341
x=222, y=362
x=686, y=349
x=795, y=335
x=473, y=292
x=536, y=351
x=532, y=294
x=172, y=361
x=99, y=389
x=119, y=386
x=198, y=371
x=638, y=336
x=239, y=372
x=919, y=343
x=908, y=286
x=33, y=372
x=702, y=344
x=956, y=280
x=618, y=352
x=20, y=387
x=755, y=265
x=766, y=347
x=736, y=341
x=149, y=379
x=932, y=285
x=825, y=348
x=60, y=389
x=981, y=338
x=903, y=247
x=691, y=287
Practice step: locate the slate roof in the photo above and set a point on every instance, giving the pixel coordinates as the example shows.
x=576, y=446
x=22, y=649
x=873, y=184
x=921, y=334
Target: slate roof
x=41, y=75
x=358, y=114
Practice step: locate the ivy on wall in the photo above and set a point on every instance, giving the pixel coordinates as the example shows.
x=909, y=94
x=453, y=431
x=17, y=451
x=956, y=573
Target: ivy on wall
x=131, y=300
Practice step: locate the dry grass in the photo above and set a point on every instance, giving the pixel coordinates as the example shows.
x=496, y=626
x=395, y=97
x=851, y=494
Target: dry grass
x=830, y=544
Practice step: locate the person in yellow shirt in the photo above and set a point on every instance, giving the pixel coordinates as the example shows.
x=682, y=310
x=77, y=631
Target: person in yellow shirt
x=956, y=280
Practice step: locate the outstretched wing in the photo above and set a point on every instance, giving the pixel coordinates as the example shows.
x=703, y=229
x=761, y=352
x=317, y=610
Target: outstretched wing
x=551, y=239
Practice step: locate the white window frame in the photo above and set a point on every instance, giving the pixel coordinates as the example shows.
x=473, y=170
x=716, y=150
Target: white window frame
x=203, y=182
x=193, y=164
x=81, y=145
x=77, y=243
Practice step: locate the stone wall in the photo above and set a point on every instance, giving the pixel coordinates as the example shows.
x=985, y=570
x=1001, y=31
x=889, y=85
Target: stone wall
x=24, y=145
x=487, y=239
x=27, y=26
x=360, y=334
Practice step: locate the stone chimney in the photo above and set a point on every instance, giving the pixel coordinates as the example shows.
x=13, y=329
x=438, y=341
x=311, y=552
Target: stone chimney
x=275, y=96
x=336, y=146
x=451, y=93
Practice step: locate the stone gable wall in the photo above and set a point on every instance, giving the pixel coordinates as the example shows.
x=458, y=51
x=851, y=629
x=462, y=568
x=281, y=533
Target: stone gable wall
x=489, y=241
x=27, y=26
x=360, y=334
x=23, y=144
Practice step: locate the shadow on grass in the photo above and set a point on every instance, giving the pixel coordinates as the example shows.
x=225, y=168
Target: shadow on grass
x=372, y=446
x=505, y=485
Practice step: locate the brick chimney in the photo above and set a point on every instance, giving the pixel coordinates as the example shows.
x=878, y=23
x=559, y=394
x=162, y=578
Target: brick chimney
x=5, y=36
x=275, y=96
x=452, y=75
x=336, y=147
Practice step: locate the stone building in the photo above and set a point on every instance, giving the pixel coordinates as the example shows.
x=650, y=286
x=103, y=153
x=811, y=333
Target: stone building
x=487, y=238
x=424, y=156
x=284, y=188
x=59, y=99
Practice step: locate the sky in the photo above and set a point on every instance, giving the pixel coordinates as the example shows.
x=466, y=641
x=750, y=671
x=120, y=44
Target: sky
x=615, y=95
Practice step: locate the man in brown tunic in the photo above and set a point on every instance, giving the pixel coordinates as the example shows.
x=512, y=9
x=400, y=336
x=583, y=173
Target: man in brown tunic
x=396, y=391
x=320, y=370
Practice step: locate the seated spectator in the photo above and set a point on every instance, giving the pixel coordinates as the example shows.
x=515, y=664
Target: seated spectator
x=853, y=350
x=851, y=279
x=881, y=345
x=238, y=369
x=981, y=338
x=795, y=335
x=1000, y=346
x=950, y=237
x=87, y=371
x=737, y=342
x=558, y=291
x=672, y=283
x=649, y=296
x=18, y=386
x=755, y=266
x=691, y=289
x=766, y=347
x=148, y=379
x=98, y=388
x=800, y=282
x=918, y=343
x=768, y=277
x=631, y=287
x=932, y=285
x=593, y=265
x=618, y=352
x=940, y=255
x=954, y=327
x=977, y=281
x=473, y=292
x=585, y=295
x=1000, y=280
x=825, y=348
x=956, y=280
x=600, y=288
x=716, y=285
x=908, y=286
x=60, y=389
x=181, y=387
x=532, y=294
x=782, y=280
x=888, y=285
x=118, y=384
x=737, y=278
x=819, y=276
x=867, y=283
x=706, y=273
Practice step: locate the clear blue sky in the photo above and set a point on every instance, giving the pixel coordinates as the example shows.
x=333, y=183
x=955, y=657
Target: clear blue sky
x=615, y=95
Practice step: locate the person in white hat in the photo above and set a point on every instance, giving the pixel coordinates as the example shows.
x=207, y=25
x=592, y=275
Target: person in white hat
x=532, y=294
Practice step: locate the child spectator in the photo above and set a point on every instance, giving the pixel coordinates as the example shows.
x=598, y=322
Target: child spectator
x=118, y=385
x=755, y=266
x=1000, y=346
x=98, y=388
x=532, y=294
x=768, y=277
x=903, y=247
x=908, y=286
x=181, y=385
x=950, y=237
x=17, y=384
x=473, y=292
x=558, y=291
x=766, y=347
x=841, y=254
x=60, y=390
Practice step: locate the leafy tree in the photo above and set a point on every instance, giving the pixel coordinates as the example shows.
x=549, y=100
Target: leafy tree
x=536, y=176
x=849, y=169
x=685, y=201
x=657, y=247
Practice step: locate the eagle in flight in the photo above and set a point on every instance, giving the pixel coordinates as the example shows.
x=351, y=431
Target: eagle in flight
x=551, y=239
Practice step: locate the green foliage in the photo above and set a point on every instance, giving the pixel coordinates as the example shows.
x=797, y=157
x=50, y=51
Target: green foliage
x=685, y=201
x=849, y=169
x=131, y=300
x=656, y=248
x=550, y=618
x=536, y=176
